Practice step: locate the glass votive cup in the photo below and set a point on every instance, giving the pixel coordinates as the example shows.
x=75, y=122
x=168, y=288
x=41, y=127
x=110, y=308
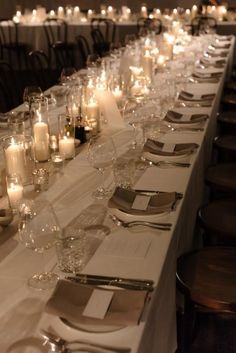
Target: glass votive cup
x=58, y=160
x=72, y=250
x=124, y=170
x=14, y=190
x=40, y=179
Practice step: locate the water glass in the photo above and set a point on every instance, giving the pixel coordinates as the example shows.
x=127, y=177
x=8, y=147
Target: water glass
x=72, y=250
x=124, y=170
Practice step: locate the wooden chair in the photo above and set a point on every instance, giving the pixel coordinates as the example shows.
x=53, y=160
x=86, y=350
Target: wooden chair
x=56, y=31
x=10, y=95
x=225, y=147
x=218, y=220
x=103, y=33
x=221, y=178
x=203, y=25
x=227, y=122
x=84, y=48
x=149, y=24
x=207, y=280
x=12, y=50
x=42, y=73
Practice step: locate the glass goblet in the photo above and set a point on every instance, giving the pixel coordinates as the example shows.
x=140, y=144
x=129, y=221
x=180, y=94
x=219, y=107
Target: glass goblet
x=31, y=92
x=39, y=230
x=101, y=155
x=68, y=76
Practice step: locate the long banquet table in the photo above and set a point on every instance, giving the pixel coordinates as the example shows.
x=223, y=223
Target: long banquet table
x=22, y=309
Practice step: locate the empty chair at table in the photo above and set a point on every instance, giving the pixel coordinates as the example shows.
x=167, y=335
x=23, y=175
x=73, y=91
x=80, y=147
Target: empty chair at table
x=149, y=25
x=42, y=74
x=217, y=220
x=207, y=280
x=84, y=49
x=10, y=91
x=61, y=53
x=203, y=25
x=103, y=32
x=12, y=49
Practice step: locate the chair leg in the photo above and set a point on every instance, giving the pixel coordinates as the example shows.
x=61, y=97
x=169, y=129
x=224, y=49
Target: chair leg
x=187, y=325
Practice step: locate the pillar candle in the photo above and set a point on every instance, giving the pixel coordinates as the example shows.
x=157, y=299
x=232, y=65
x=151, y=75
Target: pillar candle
x=67, y=147
x=15, y=194
x=147, y=64
x=41, y=139
x=15, y=160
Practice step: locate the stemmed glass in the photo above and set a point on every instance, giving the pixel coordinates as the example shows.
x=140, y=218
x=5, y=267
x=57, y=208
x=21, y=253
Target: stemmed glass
x=39, y=230
x=68, y=76
x=101, y=155
x=30, y=92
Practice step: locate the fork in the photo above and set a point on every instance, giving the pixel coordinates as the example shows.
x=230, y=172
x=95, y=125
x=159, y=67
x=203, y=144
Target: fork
x=168, y=163
x=161, y=226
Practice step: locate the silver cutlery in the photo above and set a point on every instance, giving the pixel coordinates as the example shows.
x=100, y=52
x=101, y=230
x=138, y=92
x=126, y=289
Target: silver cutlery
x=130, y=284
x=58, y=344
x=191, y=129
x=190, y=104
x=171, y=164
x=160, y=226
x=85, y=277
x=168, y=164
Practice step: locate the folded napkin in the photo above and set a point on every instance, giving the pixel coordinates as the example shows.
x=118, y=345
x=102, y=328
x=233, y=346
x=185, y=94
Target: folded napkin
x=69, y=300
x=160, y=149
x=124, y=199
x=219, y=53
x=206, y=74
x=221, y=45
x=195, y=97
x=174, y=117
x=213, y=61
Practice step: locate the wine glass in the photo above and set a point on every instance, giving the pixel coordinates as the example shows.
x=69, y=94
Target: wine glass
x=101, y=155
x=68, y=76
x=39, y=230
x=31, y=92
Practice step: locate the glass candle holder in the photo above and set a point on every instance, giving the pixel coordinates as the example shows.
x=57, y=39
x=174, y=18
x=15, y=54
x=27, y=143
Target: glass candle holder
x=14, y=190
x=40, y=179
x=66, y=127
x=19, y=156
x=58, y=161
x=40, y=129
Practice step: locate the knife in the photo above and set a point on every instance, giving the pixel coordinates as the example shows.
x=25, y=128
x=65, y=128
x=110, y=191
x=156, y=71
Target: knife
x=114, y=281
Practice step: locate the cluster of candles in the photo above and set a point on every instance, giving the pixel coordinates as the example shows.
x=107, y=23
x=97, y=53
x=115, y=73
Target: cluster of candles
x=130, y=73
x=71, y=14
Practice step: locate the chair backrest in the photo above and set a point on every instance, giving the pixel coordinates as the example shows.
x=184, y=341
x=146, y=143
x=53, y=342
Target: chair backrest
x=149, y=24
x=8, y=32
x=203, y=24
x=55, y=30
x=40, y=69
x=9, y=88
x=83, y=47
x=100, y=45
x=106, y=26
x=63, y=56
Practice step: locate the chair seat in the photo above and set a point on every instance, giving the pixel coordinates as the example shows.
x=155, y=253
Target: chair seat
x=221, y=180
x=226, y=142
x=226, y=148
x=209, y=277
x=218, y=218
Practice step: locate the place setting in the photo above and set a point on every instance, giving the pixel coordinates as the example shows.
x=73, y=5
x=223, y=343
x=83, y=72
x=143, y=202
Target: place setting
x=186, y=122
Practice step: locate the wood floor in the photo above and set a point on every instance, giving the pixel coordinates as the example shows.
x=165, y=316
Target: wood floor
x=214, y=334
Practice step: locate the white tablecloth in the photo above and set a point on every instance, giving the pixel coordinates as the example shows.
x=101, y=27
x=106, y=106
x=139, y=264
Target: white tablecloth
x=21, y=309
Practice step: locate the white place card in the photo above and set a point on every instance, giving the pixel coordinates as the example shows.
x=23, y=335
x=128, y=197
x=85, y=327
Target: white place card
x=98, y=304
x=141, y=202
x=168, y=147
